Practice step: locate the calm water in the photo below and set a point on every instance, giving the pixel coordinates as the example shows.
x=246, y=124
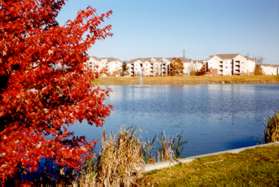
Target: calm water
x=210, y=117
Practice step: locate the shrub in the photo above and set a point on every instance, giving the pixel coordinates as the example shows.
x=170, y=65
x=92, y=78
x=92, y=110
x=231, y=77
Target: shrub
x=272, y=129
x=176, y=67
x=193, y=73
x=258, y=70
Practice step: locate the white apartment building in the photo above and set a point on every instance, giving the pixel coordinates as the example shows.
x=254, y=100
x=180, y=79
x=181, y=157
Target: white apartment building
x=270, y=69
x=231, y=64
x=219, y=64
x=109, y=66
x=135, y=67
x=190, y=65
x=148, y=66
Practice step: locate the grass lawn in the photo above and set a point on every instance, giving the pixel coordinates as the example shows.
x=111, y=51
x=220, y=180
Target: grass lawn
x=180, y=80
x=254, y=167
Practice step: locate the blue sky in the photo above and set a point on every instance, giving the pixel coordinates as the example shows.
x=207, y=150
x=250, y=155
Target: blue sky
x=145, y=28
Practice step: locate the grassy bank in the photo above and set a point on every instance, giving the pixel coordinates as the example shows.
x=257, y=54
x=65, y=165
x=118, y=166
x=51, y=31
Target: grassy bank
x=254, y=167
x=180, y=80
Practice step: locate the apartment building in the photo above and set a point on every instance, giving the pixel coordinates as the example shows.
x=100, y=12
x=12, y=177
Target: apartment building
x=190, y=65
x=270, y=69
x=231, y=64
x=219, y=64
x=148, y=66
x=107, y=66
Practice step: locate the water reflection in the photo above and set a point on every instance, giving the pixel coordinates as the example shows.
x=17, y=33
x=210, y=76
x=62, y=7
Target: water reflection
x=211, y=117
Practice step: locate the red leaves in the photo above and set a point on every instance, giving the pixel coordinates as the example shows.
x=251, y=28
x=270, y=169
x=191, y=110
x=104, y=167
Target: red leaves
x=47, y=84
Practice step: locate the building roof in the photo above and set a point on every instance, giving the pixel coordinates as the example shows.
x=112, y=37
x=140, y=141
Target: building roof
x=270, y=65
x=104, y=58
x=148, y=59
x=250, y=58
x=229, y=56
x=226, y=56
x=198, y=61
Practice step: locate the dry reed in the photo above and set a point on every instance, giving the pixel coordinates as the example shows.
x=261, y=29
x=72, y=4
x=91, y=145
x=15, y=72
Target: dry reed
x=272, y=129
x=120, y=162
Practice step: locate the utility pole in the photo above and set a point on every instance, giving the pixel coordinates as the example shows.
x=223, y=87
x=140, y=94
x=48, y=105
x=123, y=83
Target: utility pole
x=184, y=53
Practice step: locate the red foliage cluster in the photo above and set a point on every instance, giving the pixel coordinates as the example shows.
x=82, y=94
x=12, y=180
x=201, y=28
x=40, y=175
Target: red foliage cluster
x=44, y=86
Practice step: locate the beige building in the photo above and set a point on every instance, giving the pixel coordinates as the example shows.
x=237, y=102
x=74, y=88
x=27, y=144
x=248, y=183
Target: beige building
x=190, y=65
x=219, y=64
x=270, y=69
x=148, y=66
x=231, y=64
x=106, y=66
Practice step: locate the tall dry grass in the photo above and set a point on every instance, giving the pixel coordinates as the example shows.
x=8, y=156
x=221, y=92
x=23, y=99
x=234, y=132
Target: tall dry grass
x=272, y=129
x=120, y=162
x=148, y=149
x=122, y=158
x=170, y=148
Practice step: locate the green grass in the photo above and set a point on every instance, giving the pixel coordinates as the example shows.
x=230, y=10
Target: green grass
x=181, y=80
x=254, y=167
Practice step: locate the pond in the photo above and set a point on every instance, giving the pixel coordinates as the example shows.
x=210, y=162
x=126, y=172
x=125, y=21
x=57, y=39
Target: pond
x=210, y=117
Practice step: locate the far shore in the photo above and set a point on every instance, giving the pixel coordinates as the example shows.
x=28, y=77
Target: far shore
x=189, y=80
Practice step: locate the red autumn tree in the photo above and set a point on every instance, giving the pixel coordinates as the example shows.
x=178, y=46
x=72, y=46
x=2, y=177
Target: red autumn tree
x=44, y=86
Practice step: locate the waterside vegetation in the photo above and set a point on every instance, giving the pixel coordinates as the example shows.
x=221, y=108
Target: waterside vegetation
x=271, y=133
x=123, y=156
x=185, y=80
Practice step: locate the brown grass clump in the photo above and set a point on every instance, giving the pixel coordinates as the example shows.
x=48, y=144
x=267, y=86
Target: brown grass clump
x=120, y=162
x=147, y=148
x=87, y=175
x=272, y=129
x=122, y=158
x=165, y=151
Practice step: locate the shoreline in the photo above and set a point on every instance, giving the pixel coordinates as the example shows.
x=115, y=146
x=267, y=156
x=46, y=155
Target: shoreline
x=189, y=80
x=168, y=164
x=253, y=166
